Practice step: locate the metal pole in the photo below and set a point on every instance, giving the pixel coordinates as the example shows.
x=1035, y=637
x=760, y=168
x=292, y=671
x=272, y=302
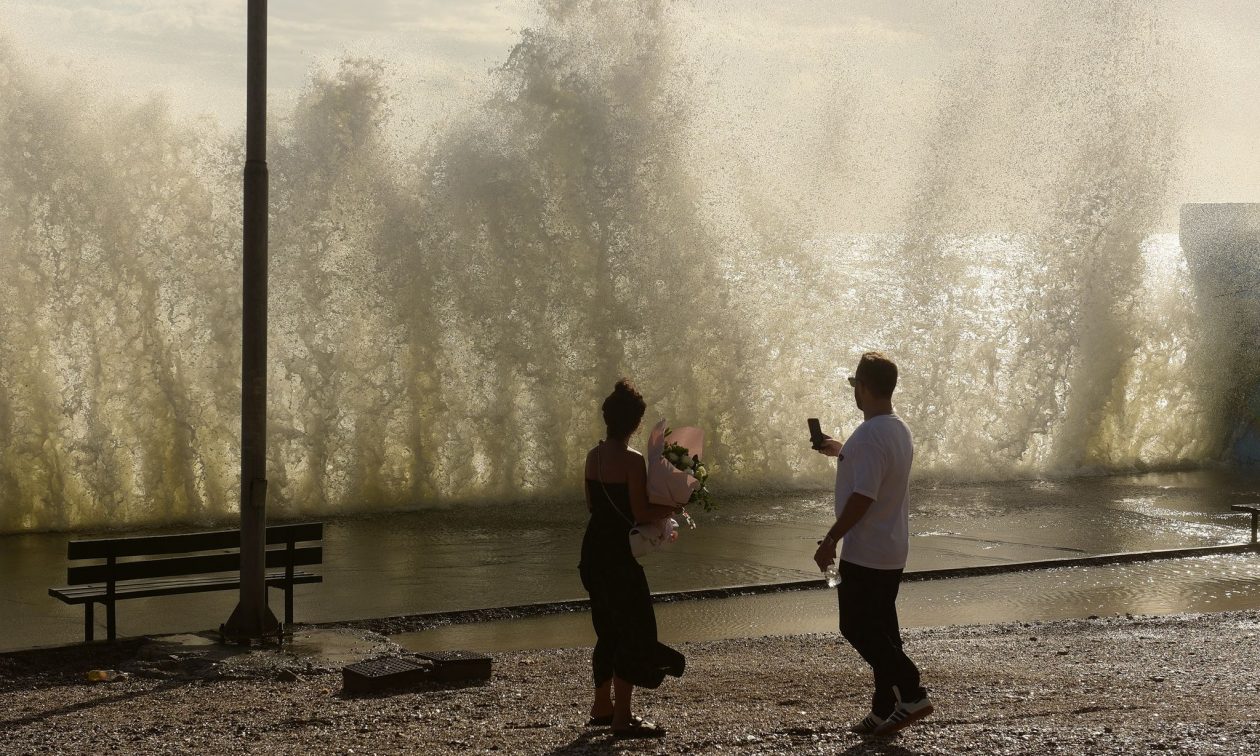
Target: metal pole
x=252, y=617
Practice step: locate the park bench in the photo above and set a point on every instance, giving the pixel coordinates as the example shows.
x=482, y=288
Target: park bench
x=164, y=565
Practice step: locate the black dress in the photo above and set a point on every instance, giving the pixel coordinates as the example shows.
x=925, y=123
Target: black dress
x=621, y=604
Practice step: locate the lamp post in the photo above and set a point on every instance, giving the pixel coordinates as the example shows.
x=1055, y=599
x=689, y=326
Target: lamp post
x=252, y=618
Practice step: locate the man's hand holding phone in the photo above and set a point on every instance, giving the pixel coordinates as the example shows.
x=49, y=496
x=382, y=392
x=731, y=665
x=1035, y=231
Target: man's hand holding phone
x=830, y=447
x=820, y=441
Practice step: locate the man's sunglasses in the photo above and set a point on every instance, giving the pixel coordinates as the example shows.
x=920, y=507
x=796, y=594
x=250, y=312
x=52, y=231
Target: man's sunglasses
x=854, y=381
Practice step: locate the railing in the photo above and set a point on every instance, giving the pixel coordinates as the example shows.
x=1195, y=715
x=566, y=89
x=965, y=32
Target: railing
x=1255, y=516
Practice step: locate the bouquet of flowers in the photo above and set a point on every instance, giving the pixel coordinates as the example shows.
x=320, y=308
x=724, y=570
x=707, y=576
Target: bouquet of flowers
x=681, y=458
x=676, y=473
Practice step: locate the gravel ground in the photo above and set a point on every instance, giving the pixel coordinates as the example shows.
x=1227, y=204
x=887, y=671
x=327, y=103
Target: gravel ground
x=1120, y=685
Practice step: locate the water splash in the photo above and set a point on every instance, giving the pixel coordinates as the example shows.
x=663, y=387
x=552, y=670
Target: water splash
x=446, y=316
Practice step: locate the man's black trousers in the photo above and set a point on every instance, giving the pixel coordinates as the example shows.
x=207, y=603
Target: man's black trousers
x=868, y=621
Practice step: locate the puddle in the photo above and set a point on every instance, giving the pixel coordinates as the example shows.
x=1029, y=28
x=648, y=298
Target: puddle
x=335, y=648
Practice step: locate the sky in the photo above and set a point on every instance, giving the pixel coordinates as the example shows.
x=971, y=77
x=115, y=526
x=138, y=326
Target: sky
x=192, y=52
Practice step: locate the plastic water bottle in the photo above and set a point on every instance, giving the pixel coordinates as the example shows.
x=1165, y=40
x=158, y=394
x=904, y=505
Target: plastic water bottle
x=832, y=573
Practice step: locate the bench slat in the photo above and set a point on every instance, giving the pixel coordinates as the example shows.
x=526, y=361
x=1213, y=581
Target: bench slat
x=93, y=589
x=144, y=589
x=101, y=548
x=194, y=565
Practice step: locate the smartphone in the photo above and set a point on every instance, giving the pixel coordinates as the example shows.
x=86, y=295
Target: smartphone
x=816, y=436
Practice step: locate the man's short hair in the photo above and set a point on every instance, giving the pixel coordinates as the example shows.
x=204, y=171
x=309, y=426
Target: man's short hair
x=878, y=373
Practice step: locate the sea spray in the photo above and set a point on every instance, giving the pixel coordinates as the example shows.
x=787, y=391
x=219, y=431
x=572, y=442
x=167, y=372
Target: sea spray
x=447, y=314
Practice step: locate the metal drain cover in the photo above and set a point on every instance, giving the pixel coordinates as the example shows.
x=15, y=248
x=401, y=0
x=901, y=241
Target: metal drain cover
x=454, y=666
x=382, y=674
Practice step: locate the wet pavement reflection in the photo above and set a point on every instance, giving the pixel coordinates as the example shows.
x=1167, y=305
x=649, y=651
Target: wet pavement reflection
x=1202, y=584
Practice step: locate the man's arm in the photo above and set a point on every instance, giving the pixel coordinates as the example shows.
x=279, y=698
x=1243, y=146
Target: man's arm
x=854, y=510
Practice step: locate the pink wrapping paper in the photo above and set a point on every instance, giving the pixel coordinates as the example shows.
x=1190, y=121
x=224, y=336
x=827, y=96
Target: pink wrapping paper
x=667, y=484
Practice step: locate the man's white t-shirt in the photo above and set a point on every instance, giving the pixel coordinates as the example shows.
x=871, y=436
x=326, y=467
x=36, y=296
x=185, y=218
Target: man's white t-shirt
x=875, y=462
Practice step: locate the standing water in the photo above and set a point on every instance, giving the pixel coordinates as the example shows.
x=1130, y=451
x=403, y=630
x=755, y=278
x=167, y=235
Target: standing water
x=473, y=557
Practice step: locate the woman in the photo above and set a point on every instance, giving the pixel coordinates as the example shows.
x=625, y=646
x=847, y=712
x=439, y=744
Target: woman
x=626, y=650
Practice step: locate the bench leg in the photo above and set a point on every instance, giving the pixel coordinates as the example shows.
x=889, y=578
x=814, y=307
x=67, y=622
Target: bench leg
x=288, y=605
x=89, y=623
x=111, y=628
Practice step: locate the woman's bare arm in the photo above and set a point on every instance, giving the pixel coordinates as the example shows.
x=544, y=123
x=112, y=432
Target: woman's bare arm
x=587, y=474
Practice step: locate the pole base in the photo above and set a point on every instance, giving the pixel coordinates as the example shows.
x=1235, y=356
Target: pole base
x=243, y=627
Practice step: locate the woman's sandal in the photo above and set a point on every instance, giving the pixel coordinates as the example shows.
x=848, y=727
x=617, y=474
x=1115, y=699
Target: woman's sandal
x=607, y=720
x=639, y=729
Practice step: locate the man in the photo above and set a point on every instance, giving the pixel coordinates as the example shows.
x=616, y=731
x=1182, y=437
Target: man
x=872, y=521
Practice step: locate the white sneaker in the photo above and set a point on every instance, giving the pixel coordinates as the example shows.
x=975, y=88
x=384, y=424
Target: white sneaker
x=906, y=714
x=869, y=724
